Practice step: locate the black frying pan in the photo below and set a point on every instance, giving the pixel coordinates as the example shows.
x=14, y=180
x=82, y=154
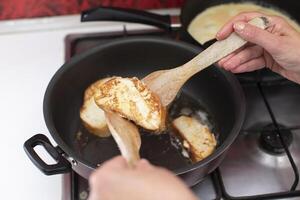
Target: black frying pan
x=213, y=90
x=188, y=12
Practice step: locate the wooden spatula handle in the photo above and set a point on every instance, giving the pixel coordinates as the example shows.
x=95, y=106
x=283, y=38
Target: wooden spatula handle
x=126, y=135
x=222, y=48
x=167, y=83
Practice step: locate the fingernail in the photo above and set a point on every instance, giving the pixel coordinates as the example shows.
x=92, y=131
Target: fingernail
x=239, y=26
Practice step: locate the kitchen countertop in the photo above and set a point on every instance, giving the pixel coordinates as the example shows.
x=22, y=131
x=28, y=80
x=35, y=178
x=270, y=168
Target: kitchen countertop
x=31, y=52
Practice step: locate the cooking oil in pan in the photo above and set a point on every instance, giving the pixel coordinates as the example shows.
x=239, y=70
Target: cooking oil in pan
x=164, y=149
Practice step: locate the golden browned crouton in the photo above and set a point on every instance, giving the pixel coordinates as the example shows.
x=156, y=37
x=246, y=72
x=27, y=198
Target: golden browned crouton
x=92, y=116
x=133, y=100
x=196, y=138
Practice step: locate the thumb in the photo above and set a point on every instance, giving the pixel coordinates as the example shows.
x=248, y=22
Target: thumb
x=256, y=35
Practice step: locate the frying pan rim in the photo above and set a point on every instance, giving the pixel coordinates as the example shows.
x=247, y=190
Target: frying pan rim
x=240, y=100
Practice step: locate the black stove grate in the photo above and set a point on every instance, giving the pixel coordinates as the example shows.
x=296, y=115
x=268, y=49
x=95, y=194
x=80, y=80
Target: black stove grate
x=222, y=193
x=218, y=182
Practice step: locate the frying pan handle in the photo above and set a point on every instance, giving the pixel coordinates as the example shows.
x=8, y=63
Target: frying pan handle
x=126, y=15
x=62, y=165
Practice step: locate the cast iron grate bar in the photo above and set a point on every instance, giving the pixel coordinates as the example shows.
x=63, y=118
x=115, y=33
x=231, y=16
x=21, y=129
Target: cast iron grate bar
x=295, y=169
x=74, y=186
x=217, y=186
x=291, y=128
x=220, y=189
x=218, y=180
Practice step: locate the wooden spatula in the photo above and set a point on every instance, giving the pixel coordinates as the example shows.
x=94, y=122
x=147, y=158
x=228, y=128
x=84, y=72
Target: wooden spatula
x=126, y=135
x=167, y=83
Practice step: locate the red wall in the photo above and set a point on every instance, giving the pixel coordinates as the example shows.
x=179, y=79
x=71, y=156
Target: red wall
x=13, y=9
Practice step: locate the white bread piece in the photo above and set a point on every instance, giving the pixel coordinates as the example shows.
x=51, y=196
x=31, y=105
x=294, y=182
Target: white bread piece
x=92, y=116
x=196, y=138
x=130, y=98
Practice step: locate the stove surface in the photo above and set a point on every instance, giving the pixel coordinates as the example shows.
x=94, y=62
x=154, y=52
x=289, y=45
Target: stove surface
x=262, y=162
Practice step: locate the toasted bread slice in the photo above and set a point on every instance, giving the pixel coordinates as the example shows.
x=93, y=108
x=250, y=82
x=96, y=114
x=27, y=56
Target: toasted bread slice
x=196, y=138
x=92, y=116
x=133, y=100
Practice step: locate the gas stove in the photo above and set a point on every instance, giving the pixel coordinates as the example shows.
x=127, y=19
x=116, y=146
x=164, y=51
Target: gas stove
x=263, y=161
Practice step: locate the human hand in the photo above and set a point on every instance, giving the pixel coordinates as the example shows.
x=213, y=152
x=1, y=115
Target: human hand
x=115, y=180
x=277, y=48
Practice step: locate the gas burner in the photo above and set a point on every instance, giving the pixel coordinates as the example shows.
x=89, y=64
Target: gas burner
x=270, y=140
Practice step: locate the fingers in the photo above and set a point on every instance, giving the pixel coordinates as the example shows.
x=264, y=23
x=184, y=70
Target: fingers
x=225, y=59
x=254, y=64
x=225, y=31
x=241, y=57
x=257, y=36
x=268, y=39
x=248, y=59
x=277, y=24
x=143, y=164
x=117, y=162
